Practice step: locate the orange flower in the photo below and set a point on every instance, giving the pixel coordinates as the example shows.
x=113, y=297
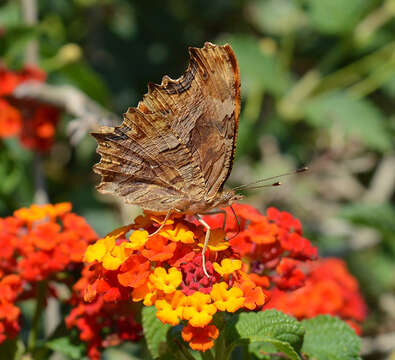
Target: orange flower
x=10, y=120
x=200, y=338
x=198, y=310
x=146, y=292
x=134, y=272
x=227, y=300
x=263, y=232
x=167, y=282
x=253, y=294
x=158, y=248
x=170, y=309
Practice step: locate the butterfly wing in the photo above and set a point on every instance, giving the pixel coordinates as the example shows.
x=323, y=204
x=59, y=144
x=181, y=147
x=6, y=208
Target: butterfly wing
x=204, y=105
x=179, y=142
x=143, y=165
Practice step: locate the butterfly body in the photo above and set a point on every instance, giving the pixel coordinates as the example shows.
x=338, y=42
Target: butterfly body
x=174, y=151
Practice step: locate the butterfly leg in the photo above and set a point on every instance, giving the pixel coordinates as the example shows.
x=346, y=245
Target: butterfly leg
x=163, y=224
x=238, y=224
x=218, y=211
x=206, y=239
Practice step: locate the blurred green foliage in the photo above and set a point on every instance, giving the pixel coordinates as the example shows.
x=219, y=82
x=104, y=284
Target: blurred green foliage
x=318, y=88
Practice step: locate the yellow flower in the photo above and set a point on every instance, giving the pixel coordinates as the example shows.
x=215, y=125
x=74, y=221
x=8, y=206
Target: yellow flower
x=107, y=252
x=167, y=282
x=180, y=233
x=227, y=267
x=137, y=240
x=170, y=309
x=217, y=241
x=98, y=250
x=114, y=258
x=198, y=310
x=227, y=300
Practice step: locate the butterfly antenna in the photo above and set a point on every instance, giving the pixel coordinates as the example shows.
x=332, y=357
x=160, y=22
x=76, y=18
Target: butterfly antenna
x=248, y=186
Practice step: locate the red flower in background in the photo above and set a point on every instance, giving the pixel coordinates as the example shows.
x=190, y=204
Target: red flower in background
x=329, y=289
x=34, y=122
x=36, y=244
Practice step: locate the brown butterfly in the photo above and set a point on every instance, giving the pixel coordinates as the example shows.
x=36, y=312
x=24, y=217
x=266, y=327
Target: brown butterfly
x=174, y=151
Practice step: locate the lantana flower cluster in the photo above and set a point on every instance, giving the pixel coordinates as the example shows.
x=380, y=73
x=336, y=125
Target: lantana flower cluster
x=271, y=246
x=101, y=322
x=161, y=264
x=33, y=122
x=329, y=289
x=36, y=244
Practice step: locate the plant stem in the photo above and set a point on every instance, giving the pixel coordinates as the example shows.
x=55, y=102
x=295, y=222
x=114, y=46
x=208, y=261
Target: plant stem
x=40, y=299
x=207, y=355
x=29, y=13
x=40, y=192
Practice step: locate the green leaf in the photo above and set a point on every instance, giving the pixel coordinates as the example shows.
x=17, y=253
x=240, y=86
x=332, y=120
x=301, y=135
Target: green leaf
x=86, y=79
x=154, y=331
x=278, y=17
x=379, y=216
x=356, y=117
x=329, y=338
x=273, y=327
x=259, y=70
x=65, y=346
x=336, y=16
x=11, y=349
x=15, y=43
x=10, y=14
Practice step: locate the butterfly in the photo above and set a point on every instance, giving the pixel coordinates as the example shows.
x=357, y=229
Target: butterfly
x=174, y=151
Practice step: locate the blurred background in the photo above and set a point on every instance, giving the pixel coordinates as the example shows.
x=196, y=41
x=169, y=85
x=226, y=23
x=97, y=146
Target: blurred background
x=318, y=90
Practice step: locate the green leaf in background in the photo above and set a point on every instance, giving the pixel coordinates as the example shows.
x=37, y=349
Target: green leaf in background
x=86, y=79
x=10, y=15
x=11, y=349
x=336, y=16
x=15, y=42
x=379, y=216
x=277, y=17
x=282, y=331
x=356, y=117
x=154, y=331
x=64, y=346
x=329, y=338
x=259, y=70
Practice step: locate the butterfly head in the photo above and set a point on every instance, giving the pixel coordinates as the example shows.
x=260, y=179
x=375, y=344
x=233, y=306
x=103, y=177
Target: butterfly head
x=226, y=197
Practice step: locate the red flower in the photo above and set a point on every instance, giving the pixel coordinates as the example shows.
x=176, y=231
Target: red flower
x=34, y=122
x=329, y=289
x=36, y=243
x=10, y=120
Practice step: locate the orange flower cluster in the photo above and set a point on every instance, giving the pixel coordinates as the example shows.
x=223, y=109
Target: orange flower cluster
x=36, y=243
x=329, y=289
x=10, y=289
x=165, y=269
x=273, y=245
x=101, y=323
x=33, y=122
